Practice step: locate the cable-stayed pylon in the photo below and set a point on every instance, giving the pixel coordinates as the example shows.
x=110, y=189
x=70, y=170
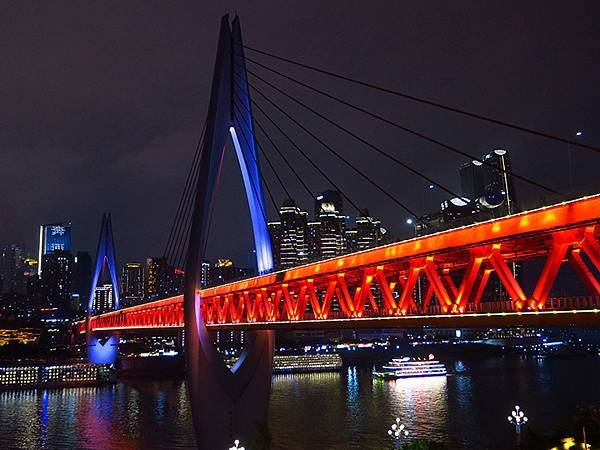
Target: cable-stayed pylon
x=103, y=349
x=226, y=403
x=105, y=257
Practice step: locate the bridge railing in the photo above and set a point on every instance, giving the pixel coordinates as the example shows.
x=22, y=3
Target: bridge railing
x=507, y=306
x=582, y=302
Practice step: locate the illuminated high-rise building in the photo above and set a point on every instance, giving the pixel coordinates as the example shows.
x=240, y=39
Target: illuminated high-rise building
x=296, y=240
x=55, y=268
x=82, y=278
x=224, y=271
x=53, y=237
x=490, y=185
x=132, y=283
x=328, y=201
x=104, y=299
x=498, y=183
x=12, y=270
x=313, y=243
x=161, y=279
x=289, y=236
x=56, y=279
x=367, y=234
x=329, y=211
x=205, y=274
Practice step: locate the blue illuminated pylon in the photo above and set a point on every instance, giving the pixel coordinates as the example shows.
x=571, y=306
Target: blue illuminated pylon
x=226, y=404
x=103, y=349
x=105, y=255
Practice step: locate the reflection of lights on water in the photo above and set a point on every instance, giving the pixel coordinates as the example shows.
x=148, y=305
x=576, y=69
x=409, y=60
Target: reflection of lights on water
x=419, y=384
x=293, y=378
x=418, y=389
x=353, y=391
x=423, y=401
x=160, y=405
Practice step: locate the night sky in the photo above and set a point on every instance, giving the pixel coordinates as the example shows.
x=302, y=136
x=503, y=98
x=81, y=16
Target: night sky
x=102, y=102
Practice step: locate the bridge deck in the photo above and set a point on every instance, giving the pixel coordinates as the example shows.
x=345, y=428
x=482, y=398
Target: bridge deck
x=376, y=287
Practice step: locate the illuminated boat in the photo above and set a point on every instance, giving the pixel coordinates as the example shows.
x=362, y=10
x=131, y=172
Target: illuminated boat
x=411, y=367
x=306, y=363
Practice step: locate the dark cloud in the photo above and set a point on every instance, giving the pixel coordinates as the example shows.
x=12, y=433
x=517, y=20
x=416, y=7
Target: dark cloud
x=101, y=102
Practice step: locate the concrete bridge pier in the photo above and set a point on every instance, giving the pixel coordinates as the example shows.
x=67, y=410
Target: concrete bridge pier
x=226, y=404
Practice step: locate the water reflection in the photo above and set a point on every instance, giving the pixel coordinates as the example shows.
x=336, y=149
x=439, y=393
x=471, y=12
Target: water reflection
x=91, y=418
x=346, y=410
x=421, y=404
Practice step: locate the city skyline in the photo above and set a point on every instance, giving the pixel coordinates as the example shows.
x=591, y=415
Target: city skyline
x=149, y=128
x=395, y=207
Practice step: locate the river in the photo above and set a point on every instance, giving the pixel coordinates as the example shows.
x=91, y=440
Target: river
x=346, y=410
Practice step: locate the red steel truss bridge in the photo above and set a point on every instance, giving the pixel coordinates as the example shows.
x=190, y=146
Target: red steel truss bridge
x=378, y=287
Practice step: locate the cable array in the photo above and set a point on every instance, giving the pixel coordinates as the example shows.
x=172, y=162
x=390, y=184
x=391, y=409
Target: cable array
x=243, y=120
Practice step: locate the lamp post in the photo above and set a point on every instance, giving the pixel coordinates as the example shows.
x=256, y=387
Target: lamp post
x=236, y=445
x=518, y=419
x=398, y=432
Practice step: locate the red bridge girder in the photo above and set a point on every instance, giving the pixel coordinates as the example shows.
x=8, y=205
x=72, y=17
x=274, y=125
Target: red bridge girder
x=381, y=282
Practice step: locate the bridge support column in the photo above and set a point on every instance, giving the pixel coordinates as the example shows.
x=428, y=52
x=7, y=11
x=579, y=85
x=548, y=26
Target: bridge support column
x=102, y=350
x=229, y=404
x=226, y=404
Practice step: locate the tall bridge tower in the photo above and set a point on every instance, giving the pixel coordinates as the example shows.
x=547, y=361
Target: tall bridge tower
x=227, y=404
x=103, y=350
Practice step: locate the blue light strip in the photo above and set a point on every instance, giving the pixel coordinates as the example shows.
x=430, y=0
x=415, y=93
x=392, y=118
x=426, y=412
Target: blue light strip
x=105, y=254
x=247, y=159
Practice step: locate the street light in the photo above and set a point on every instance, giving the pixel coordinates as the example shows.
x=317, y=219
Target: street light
x=518, y=419
x=398, y=432
x=236, y=445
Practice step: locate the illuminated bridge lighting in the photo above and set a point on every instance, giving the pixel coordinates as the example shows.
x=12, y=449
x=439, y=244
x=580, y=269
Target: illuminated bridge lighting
x=376, y=287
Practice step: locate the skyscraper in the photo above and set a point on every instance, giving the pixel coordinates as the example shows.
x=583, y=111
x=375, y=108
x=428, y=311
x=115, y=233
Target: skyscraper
x=82, y=278
x=53, y=237
x=328, y=201
x=490, y=185
x=12, y=268
x=498, y=183
x=368, y=232
x=296, y=240
x=160, y=279
x=471, y=180
x=205, y=274
x=55, y=268
x=329, y=211
x=132, y=283
x=104, y=300
x=289, y=236
x=56, y=282
x=224, y=271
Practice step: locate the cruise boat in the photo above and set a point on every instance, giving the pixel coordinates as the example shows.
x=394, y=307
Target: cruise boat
x=51, y=376
x=411, y=367
x=307, y=363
